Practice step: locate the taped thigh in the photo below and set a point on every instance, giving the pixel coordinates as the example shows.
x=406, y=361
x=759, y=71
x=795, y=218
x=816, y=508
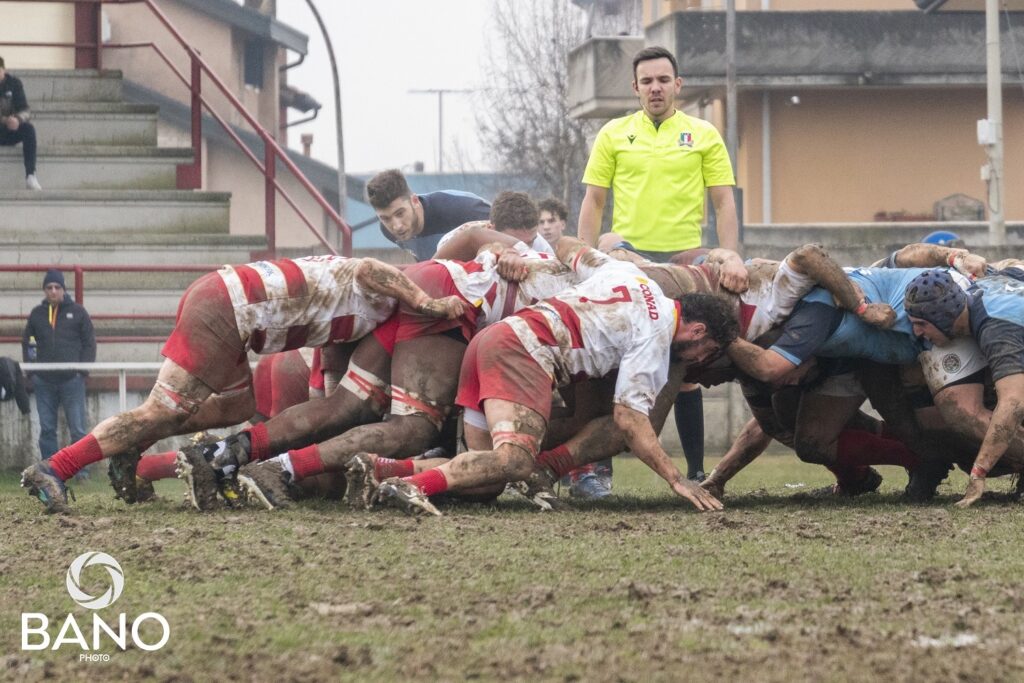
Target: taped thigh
x=367, y=387
x=408, y=403
x=175, y=401
x=504, y=433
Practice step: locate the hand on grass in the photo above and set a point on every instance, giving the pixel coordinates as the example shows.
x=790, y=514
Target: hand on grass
x=975, y=488
x=701, y=499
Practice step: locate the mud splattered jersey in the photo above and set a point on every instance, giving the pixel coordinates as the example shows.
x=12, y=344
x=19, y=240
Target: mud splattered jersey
x=292, y=303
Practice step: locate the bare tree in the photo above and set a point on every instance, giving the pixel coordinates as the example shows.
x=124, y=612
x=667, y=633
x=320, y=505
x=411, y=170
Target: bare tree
x=524, y=118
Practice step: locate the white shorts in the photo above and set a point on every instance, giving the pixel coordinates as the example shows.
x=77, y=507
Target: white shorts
x=773, y=301
x=475, y=418
x=944, y=365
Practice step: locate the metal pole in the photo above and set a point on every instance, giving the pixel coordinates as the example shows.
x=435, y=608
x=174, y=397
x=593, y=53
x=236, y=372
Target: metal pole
x=342, y=184
x=994, y=72
x=440, y=118
x=731, y=132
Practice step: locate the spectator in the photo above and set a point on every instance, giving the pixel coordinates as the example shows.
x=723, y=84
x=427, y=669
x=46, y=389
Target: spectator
x=553, y=213
x=14, y=125
x=59, y=331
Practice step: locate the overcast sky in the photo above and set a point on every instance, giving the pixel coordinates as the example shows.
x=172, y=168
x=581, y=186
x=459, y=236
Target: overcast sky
x=384, y=49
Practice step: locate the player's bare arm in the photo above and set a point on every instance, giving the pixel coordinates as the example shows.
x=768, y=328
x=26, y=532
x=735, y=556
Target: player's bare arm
x=1001, y=430
x=814, y=261
x=934, y=256
x=732, y=272
x=471, y=239
x=761, y=364
x=750, y=443
x=643, y=442
x=387, y=280
x=591, y=213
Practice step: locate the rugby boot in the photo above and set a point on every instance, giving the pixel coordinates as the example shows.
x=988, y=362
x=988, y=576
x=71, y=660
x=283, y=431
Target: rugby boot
x=925, y=479
x=591, y=486
x=230, y=452
x=266, y=484
x=42, y=483
x=201, y=485
x=869, y=483
x=360, y=482
x=539, y=489
x=121, y=472
x=144, y=492
x=400, y=493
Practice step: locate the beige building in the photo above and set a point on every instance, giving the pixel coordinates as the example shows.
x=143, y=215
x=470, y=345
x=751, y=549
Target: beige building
x=243, y=43
x=863, y=112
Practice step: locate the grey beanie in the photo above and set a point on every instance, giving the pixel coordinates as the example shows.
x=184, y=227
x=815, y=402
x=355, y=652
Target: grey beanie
x=934, y=296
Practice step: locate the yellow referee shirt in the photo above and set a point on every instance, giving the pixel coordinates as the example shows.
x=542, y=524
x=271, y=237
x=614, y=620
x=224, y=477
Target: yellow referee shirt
x=658, y=177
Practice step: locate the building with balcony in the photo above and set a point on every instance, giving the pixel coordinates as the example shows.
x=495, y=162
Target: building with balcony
x=866, y=111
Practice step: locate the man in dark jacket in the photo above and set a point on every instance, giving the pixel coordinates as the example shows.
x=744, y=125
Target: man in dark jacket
x=59, y=331
x=14, y=125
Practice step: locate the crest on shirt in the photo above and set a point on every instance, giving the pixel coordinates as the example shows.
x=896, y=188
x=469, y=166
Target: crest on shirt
x=951, y=362
x=686, y=139
x=631, y=138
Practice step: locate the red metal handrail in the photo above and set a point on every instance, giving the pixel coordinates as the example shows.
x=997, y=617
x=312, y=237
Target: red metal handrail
x=189, y=175
x=81, y=270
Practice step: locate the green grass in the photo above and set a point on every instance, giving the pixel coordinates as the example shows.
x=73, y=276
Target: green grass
x=635, y=588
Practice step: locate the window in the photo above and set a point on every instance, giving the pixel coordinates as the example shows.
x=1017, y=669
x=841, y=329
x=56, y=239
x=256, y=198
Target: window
x=253, y=67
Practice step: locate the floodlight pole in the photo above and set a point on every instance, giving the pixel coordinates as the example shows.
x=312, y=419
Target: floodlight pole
x=440, y=92
x=731, y=104
x=994, y=78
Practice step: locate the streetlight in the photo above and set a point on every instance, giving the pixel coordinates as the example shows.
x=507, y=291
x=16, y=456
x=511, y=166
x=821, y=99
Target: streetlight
x=440, y=92
x=342, y=185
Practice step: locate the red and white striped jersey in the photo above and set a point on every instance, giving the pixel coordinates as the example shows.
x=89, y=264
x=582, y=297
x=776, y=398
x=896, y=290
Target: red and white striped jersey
x=479, y=283
x=616, y=317
x=292, y=303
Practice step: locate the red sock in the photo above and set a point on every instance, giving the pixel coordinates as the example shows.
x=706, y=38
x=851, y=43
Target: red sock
x=577, y=473
x=387, y=467
x=857, y=448
x=68, y=461
x=159, y=466
x=259, y=442
x=306, y=462
x=559, y=460
x=431, y=482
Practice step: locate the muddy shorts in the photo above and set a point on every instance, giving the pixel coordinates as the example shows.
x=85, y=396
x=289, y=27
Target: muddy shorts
x=434, y=279
x=955, y=363
x=496, y=365
x=205, y=340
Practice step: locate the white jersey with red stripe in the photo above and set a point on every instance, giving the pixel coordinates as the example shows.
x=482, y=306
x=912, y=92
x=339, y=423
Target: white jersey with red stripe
x=478, y=283
x=616, y=317
x=292, y=303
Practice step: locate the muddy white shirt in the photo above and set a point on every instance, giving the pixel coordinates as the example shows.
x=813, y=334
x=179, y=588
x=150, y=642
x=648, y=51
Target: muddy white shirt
x=479, y=283
x=769, y=302
x=292, y=303
x=616, y=317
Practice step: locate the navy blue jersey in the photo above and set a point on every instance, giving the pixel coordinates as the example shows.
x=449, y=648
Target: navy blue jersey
x=443, y=211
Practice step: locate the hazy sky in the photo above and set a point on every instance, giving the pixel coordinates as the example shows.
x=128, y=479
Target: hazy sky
x=384, y=49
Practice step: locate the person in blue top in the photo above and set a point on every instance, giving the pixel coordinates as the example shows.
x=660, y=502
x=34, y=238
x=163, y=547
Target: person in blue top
x=992, y=312
x=417, y=222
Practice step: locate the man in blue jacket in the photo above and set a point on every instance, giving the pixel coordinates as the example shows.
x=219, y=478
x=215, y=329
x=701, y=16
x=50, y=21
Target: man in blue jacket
x=59, y=331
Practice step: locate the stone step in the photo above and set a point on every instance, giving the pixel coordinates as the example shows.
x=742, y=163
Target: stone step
x=76, y=85
x=103, y=248
x=104, y=167
x=123, y=126
x=107, y=352
x=131, y=212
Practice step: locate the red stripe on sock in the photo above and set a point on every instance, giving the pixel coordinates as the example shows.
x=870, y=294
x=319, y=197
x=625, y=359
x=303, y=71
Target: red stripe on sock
x=306, y=462
x=259, y=442
x=68, y=461
x=159, y=466
x=388, y=467
x=431, y=482
x=857, y=448
x=559, y=460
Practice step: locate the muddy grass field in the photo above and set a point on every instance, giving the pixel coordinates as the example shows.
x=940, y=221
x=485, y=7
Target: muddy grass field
x=636, y=588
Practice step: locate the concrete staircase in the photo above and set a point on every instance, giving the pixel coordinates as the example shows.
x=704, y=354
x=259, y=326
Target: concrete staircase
x=109, y=198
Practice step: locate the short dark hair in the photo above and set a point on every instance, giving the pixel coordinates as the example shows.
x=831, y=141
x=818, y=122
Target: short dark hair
x=514, y=211
x=654, y=52
x=386, y=187
x=715, y=312
x=554, y=206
